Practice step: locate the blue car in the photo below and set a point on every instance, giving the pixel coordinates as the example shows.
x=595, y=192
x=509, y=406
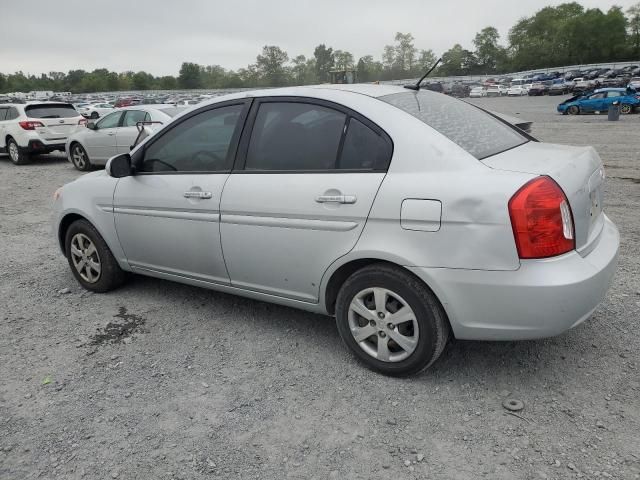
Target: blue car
x=599, y=101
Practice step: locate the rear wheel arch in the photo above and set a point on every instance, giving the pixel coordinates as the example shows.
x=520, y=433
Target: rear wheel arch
x=342, y=273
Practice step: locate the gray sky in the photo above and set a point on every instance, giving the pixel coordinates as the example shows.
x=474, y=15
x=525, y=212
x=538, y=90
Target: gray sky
x=158, y=35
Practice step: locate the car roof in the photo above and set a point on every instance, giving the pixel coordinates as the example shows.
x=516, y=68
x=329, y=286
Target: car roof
x=610, y=90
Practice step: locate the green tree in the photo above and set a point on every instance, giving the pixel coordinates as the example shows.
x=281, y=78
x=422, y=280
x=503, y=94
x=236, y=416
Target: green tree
x=405, y=52
x=299, y=70
x=324, y=62
x=343, y=59
x=634, y=30
x=368, y=70
x=189, y=76
x=489, y=54
x=270, y=65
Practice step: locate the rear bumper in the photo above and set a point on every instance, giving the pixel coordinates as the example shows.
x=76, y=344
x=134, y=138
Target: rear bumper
x=40, y=146
x=541, y=299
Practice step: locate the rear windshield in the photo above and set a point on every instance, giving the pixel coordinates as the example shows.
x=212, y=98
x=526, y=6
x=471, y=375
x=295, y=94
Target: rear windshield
x=62, y=110
x=476, y=131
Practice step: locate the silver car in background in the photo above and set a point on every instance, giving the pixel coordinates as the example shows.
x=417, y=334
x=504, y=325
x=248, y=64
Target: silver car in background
x=410, y=216
x=114, y=133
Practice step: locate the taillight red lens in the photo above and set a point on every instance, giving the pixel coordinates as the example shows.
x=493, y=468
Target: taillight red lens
x=29, y=125
x=541, y=219
x=82, y=121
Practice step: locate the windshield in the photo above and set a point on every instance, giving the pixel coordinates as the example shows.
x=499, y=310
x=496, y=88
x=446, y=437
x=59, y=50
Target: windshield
x=62, y=110
x=476, y=131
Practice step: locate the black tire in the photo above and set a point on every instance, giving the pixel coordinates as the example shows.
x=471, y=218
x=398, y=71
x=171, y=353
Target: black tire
x=16, y=154
x=626, y=109
x=433, y=326
x=111, y=275
x=573, y=110
x=94, y=115
x=79, y=157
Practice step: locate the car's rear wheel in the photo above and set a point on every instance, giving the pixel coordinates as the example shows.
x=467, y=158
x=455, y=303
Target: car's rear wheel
x=390, y=320
x=90, y=259
x=94, y=115
x=573, y=110
x=17, y=156
x=80, y=158
x=625, y=109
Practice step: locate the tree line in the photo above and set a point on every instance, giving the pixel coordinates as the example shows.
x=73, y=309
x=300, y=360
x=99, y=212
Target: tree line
x=567, y=34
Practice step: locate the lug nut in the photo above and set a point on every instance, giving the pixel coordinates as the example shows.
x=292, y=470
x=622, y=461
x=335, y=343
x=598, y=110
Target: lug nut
x=390, y=326
x=382, y=334
x=372, y=323
x=380, y=315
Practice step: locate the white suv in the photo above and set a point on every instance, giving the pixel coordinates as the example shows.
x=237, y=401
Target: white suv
x=35, y=128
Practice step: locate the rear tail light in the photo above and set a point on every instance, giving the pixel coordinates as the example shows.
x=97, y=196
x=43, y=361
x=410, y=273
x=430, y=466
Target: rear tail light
x=541, y=220
x=82, y=121
x=30, y=125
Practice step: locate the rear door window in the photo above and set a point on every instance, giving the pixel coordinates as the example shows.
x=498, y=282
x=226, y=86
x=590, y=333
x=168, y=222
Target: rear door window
x=364, y=149
x=132, y=117
x=295, y=136
x=474, y=130
x=51, y=111
x=3, y=113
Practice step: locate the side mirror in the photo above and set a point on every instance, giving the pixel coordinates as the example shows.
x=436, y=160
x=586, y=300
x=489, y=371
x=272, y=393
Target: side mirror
x=91, y=125
x=119, y=166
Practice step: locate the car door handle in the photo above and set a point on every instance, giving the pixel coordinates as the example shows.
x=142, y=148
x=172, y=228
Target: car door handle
x=111, y=134
x=349, y=199
x=197, y=194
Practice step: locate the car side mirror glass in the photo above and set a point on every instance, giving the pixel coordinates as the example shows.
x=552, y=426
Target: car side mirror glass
x=119, y=166
x=91, y=125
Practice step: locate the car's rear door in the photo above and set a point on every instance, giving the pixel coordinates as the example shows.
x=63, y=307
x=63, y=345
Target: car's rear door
x=305, y=179
x=167, y=214
x=100, y=142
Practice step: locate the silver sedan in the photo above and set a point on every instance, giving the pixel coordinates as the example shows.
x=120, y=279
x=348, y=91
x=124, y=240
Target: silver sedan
x=410, y=216
x=114, y=133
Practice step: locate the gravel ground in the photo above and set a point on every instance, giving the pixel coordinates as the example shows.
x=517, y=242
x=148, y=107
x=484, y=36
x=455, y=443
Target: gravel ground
x=164, y=381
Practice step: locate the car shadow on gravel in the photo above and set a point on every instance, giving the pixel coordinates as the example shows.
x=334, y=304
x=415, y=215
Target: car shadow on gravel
x=37, y=160
x=461, y=359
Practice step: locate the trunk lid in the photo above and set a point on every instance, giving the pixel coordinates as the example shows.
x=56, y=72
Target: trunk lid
x=578, y=171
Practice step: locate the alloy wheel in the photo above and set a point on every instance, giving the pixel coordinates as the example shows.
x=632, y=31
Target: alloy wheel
x=79, y=157
x=625, y=109
x=85, y=258
x=14, y=153
x=383, y=324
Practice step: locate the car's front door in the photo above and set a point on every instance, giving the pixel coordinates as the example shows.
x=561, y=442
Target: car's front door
x=167, y=214
x=593, y=103
x=307, y=174
x=128, y=132
x=100, y=142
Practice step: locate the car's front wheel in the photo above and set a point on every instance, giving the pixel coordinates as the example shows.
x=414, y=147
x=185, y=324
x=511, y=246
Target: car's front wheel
x=573, y=110
x=80, y=158
x=390, y=320
x=17, y=156
x=90, y=259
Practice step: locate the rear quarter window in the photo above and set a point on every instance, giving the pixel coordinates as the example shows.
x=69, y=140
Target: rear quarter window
x=474, y=130
x=51, y=111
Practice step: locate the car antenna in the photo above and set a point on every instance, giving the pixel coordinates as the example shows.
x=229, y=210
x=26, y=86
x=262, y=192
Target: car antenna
x=416, y=87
